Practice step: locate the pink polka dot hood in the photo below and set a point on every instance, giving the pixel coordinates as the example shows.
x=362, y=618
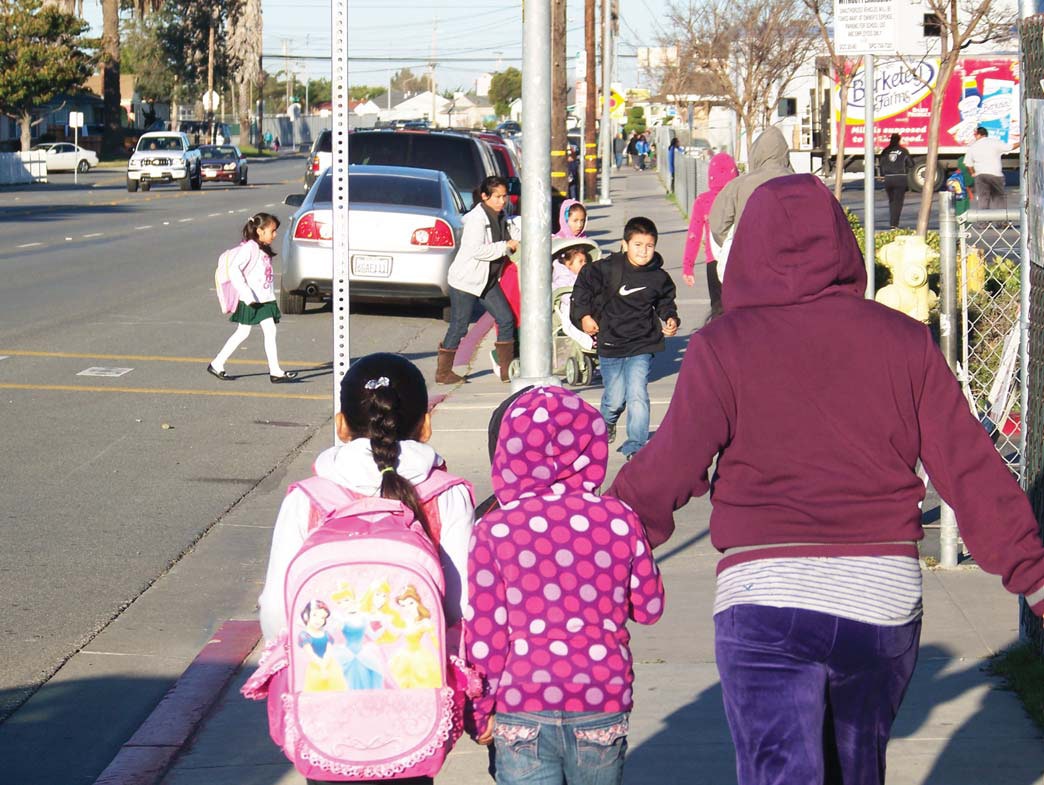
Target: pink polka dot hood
x=556, y=572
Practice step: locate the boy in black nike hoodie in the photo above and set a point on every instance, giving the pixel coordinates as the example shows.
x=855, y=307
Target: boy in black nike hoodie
x=627, y=301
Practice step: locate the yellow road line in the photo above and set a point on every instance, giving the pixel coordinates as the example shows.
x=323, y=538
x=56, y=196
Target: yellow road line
x=149, y=358
x=164, y=391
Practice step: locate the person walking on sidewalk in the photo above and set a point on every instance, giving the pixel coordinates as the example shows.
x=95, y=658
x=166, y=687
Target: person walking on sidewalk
x=641, y=147
x=720, y=171
x=895, y=164
x=627, y=301
x=983, y=159
x=474, y=276
x=252, y=276
x=632, y=150
x=619, y=146
x=814, y=405
x=566, y=722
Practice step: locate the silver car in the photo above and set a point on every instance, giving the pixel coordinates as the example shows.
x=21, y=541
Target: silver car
x=404, y=226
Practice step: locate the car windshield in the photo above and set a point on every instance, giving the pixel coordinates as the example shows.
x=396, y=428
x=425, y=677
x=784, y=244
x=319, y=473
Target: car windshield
x=451, y=154
x=161, y=143
x=385, y=189
x=220, y=153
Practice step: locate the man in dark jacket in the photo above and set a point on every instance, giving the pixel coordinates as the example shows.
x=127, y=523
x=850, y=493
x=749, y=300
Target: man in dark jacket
x=894, y=163
x=622, y=300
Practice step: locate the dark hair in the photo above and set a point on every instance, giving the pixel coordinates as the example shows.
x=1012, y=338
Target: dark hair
x=314, y=605
x=485, y=188
x=894, y=139
x=572, y=207
x=256, y=224
x=384, y=399
x=640, y=225
x=573, y=251
x=980, y=131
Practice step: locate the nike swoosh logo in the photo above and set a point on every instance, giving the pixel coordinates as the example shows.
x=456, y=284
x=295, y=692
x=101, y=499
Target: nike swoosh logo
x=624, y=291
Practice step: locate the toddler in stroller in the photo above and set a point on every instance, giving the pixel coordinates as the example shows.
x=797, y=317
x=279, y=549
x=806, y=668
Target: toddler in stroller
x=574, y=353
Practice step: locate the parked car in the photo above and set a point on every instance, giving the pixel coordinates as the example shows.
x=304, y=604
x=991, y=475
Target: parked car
x=319, y=157
x=509, y=127
x=507, y=165
x=404, y=225
x=65, y=157
x=467, y=161
x=223, y=162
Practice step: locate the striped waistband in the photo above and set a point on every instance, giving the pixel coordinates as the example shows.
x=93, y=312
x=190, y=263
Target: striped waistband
x=811, y=550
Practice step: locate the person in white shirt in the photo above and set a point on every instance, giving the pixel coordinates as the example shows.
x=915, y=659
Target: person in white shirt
x=983, y=159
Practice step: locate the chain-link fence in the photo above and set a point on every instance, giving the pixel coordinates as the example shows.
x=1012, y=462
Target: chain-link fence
x=989, y=292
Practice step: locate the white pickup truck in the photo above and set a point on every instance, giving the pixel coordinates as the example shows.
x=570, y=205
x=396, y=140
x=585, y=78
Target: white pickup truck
x=164, y=157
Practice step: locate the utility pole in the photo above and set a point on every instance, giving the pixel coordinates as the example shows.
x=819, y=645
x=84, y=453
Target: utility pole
x=431, y=82
x=559, y=96
x=607, y=91
x=588, y=155
x=210, y=82
x=286, y=69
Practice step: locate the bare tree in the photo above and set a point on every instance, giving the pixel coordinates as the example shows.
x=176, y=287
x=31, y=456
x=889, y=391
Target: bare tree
x=752, y=49
x=961, y=24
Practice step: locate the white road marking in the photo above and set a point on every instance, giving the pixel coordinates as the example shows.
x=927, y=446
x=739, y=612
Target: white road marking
x=5, y=357
x=166, y=223
x=214, y=215
x=110, y=372
x=68, y=239
x=184, y=220
x=92, y=234
x=146, y=226
x=28, y=245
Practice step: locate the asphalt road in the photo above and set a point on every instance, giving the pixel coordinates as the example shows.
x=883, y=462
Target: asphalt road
x=119, y=451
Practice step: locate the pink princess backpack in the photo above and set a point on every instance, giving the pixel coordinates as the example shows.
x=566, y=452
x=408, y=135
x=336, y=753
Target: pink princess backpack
x=361, y=686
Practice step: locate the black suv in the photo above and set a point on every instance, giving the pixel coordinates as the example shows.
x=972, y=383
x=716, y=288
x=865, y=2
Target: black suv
x=465, y=160
x=319, y=157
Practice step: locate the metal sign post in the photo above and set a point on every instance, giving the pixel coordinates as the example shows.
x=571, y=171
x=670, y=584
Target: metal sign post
x=76, y=123
x=339, y=172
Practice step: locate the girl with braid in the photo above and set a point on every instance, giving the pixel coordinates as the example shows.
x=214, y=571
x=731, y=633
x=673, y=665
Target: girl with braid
x=385, y=426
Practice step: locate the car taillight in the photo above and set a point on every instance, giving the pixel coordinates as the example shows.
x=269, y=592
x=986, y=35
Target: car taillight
x=438, y=236
x=308, y=228
x=315, y=164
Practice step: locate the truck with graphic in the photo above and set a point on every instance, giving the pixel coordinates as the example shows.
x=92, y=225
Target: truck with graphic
x=983, y=90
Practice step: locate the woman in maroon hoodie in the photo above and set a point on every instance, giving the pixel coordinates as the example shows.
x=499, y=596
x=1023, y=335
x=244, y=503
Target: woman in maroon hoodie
x=817, y=404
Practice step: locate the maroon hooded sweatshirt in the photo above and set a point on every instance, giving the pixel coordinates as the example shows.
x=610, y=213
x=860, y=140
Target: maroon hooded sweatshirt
x=817, y=404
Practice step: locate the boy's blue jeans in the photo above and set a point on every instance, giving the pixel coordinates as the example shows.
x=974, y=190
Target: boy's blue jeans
x=551, y=747
x=626, y=385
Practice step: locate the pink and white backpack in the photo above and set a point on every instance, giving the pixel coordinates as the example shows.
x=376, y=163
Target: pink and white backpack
x=360, y=686
x=227, y=294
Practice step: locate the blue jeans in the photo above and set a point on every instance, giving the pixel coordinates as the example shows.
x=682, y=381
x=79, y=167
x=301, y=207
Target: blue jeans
x=552, y=747
x=463, y=303
x=811, y=697
x=626, y=383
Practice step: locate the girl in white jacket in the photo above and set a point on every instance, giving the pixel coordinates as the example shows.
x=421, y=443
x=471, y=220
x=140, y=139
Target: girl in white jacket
x=252, y=276
x=487, y=239
x=385, y=423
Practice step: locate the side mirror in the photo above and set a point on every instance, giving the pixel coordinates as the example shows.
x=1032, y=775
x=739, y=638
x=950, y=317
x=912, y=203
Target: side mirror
x=294, y=200
x=514, y=186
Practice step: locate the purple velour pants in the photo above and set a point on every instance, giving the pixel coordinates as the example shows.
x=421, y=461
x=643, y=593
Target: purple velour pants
x=810, y=698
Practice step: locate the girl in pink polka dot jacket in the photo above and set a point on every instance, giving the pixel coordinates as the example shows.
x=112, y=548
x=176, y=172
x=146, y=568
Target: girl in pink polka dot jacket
x=553, y=576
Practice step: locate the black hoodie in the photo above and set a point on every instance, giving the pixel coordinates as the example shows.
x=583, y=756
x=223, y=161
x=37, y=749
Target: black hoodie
x=628, y=303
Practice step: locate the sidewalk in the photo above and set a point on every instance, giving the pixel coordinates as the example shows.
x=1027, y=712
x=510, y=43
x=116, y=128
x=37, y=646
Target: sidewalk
x=956, y=726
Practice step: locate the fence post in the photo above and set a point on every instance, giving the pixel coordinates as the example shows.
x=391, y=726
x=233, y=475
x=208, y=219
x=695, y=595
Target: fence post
x=948, y=545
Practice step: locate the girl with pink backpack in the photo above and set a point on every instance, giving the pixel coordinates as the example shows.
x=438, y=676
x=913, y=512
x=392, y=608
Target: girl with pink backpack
x=378, y=539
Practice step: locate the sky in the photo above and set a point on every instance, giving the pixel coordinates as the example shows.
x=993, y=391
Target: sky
x=490, y=31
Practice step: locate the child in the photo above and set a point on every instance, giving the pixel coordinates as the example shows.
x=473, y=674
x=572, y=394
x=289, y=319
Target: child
x=720, y=170
x=257, y=301
x=564, y=270
x=622, y=299
x=572, y=218
x=551, y=640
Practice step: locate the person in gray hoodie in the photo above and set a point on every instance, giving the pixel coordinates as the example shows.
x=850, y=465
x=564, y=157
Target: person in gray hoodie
x=769, y=158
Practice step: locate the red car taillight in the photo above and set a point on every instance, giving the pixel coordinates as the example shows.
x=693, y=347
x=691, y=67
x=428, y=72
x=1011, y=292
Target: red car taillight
x=438, y=236
x=308, y=228
x=315, y=164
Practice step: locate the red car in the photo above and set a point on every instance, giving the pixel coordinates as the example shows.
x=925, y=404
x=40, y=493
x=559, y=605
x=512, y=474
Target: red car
x=507, y=163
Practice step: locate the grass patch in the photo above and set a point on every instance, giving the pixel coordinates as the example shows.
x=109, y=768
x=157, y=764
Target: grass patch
x=1022, y=668
x=674, y=200
x=249, y=149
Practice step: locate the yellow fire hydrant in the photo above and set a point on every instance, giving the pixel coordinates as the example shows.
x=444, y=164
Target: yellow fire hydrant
x=907, y=256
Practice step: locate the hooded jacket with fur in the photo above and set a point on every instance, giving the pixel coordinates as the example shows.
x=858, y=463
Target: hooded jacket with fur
x=556, y=571
x=814, y=405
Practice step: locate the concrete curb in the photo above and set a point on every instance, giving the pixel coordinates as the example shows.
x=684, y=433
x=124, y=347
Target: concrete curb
x=145, y=758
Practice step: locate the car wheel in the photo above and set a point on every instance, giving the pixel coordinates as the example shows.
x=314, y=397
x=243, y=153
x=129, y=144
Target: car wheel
x=197, y=183
x=132, y=185
x=291, y=303
x=243, y=180
x=186, y=182
x=145, y=185
x=83, y=166
x=917, y=180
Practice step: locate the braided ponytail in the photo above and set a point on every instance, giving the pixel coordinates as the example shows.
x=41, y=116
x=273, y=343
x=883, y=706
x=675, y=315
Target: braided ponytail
x=384, y=398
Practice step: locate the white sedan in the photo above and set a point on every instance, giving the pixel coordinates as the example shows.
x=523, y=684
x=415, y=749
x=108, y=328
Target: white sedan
x=64, y=156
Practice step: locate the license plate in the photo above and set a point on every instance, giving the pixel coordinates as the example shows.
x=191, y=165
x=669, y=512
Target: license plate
x=373, y=266
x=209, y=173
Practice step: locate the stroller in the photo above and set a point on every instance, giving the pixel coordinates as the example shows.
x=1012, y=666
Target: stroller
x=569, y=359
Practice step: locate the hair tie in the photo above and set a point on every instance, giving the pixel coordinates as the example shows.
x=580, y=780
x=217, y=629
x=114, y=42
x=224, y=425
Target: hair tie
x=373, y=384
x=387, y=469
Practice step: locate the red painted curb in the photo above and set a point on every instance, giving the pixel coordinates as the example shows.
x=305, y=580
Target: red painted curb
x=146, y=756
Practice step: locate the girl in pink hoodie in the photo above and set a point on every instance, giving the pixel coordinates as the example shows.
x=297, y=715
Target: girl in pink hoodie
x=722, y=168
x=554, y=574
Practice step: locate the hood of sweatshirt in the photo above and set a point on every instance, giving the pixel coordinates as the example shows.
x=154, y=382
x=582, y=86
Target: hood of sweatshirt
x=551, y=442
x=352, y=465
x=563, y=222
x=793, y=245
x=720, y=170
x=770, y=149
